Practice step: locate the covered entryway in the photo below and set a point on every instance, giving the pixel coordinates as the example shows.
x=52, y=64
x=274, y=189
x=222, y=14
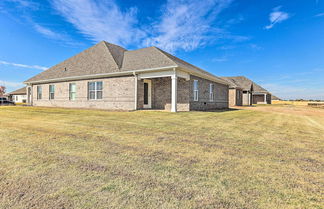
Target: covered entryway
x=160, y=90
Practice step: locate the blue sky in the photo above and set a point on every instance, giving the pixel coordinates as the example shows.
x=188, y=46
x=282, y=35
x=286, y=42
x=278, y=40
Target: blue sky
x=278, y=44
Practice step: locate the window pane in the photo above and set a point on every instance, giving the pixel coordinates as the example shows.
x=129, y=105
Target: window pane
x=99, y=94
x=195, y=95
x=99, y=85
x=72, y=87
x=92, y=85
x=92, y=95
x=51, y=87
x=195, y=85
x=72, y=95
x=39, y=92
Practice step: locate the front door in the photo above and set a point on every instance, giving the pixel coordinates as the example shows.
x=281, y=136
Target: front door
x=147, y=94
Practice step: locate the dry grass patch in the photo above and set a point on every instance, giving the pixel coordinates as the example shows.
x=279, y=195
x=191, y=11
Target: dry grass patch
x=65, y=158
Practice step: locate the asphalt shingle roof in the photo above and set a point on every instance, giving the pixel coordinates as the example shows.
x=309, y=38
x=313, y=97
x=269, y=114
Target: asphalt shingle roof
x=245, y=83
x=105, y=58
x=19, y=91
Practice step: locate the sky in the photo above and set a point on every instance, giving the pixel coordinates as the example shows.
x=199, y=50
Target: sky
x=279, y=44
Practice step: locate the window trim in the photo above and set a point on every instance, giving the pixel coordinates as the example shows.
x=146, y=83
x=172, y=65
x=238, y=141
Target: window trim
x=211, y=92
x=39, y=91
x=50, y=92
x=71, y=92
x=95, y=90
x=196, y=91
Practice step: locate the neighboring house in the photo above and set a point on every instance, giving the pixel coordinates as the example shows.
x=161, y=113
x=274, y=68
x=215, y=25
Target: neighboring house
x=275, y=98
x=18, y=96
x=252, y=92
x=245, y=86
x=107, y=76
x=235, y=95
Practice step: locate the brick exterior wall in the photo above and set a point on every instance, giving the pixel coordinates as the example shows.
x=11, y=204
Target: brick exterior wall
x=161, y=90
x=220, y=95
x=118, y=94
x=235, y=97
x=239, y=97
x=259, y=99
x=232, y=97
x=245, y=98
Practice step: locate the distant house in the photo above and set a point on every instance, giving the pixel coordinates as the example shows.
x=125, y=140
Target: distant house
x=275, y=98
x=235, y=93
x=252, y=92
x=107, y=76
x=18, y=96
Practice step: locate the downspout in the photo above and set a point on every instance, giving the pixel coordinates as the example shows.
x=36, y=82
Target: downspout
x=135, y=99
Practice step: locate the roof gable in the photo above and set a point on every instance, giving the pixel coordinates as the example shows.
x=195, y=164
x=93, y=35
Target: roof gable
x=245, y=83
x=98, y=59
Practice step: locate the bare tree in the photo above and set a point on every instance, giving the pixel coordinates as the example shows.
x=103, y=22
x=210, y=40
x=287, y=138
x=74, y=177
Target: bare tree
x=2, y=90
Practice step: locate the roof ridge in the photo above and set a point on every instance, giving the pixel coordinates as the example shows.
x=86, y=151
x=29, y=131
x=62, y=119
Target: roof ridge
x=108, y=45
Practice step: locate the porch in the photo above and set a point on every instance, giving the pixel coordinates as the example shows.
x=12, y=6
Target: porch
x=164, y=90
x=260, y=98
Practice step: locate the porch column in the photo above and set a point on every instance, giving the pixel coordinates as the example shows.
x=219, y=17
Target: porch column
x=174, y=90
x=135, y=88
x=249, y=96
x=265, y=98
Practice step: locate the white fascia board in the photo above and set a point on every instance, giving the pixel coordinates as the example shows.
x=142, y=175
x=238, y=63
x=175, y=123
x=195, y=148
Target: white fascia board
x=208, y=77
x=165, y=73
x=94, y=76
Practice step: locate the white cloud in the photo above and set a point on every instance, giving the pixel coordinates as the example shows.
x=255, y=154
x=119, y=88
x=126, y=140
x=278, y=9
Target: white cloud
x=187, y=24
x=100, y=20
x=9, y=84
x=23, y=65
x=182, y=25
x=276, y=16
x=319, y=15
x=48, y=32
x=28, y=4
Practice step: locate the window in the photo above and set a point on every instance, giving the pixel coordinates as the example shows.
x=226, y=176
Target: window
x=16, y=98
x=51, y=91
x=195, y=91
x=211, y=92
x=95, y=90
x=72, y=91
x=39, y=92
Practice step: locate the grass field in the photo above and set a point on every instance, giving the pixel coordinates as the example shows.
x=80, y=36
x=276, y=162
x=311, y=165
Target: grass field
x=258, y=157
x=295, y=103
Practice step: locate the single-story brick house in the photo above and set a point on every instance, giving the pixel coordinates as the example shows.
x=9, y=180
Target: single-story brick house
x=252, y=92
x=18, y=96
x=235, y=94
x=107, y=76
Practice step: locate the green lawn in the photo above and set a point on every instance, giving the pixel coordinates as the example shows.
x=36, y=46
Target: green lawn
x=260, y=157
